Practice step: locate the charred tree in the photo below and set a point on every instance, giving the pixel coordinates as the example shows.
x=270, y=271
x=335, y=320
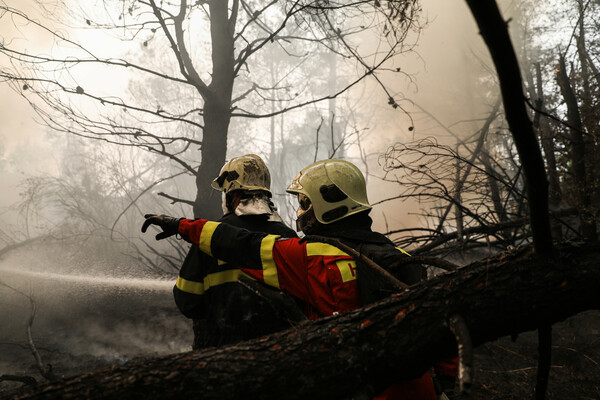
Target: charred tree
x=217, y=109
x=362, y=351
x=199, y=70
x=495, y=34
x=541, y=123
x=581, y=189
x=499, y=209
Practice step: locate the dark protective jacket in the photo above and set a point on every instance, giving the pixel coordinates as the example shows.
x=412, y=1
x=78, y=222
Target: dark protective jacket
x=320, y=274
x=355, y=232
x=227, y=307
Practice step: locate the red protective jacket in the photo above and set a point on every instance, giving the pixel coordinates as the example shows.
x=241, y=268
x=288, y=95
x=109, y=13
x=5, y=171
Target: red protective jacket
x=320, y=274
x=317, y=273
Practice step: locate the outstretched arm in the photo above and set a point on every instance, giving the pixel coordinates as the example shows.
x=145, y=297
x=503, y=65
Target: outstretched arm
x=280, y=263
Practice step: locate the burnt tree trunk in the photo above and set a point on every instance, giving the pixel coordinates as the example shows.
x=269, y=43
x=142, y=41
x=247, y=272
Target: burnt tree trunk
x=577, y=153
x=217, y=110
x=495, y=196
x=364, y=350
x=589, y=117
x=495, y=34
x=541, y=123
x=494, y=31
x=458, y=214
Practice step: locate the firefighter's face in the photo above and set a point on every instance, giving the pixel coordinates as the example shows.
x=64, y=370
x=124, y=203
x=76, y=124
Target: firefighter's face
x=305, y=216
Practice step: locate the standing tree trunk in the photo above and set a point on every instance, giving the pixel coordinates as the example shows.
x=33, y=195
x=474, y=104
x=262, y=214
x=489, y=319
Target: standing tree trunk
x=499, y=209
x=585, y=76
x=582, y=191
x=214, y=149
x=458, y=214
x=495, y=34
x=555, y=194
x=217, y=109
x=589, y=116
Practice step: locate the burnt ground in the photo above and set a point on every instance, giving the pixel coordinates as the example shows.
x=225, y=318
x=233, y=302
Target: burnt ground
x=88, y=315
x=506, y=370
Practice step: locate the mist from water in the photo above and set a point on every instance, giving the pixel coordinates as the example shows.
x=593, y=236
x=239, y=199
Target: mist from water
x=97, y=281
x=87, y=317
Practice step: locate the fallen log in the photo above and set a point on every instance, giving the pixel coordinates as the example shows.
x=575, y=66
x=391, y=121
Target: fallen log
x=362, y=351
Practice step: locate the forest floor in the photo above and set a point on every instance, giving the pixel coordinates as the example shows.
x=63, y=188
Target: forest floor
x=88, y=315
x=506, y=370
x=86, y=323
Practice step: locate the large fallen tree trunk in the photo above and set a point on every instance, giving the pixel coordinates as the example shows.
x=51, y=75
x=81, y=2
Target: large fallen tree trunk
x=364, y=350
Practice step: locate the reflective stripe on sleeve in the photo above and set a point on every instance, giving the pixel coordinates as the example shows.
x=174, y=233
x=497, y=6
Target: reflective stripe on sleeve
x=205, y=237
x=268, y=264
x=323, y=249
x=210, y=280
x=398, y=248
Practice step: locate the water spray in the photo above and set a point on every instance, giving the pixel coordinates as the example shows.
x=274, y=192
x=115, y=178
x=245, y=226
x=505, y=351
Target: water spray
x=126, y=282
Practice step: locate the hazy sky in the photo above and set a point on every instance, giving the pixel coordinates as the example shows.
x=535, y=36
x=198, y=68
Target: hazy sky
x=440, y=69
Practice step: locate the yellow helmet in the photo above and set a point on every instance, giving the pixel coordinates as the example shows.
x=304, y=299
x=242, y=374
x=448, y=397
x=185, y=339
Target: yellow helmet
x=247, y=172
x=335, y=189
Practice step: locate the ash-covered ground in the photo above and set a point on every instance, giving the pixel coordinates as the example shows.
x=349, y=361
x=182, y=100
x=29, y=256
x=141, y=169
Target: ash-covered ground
x=88, y=315
x=506, y=369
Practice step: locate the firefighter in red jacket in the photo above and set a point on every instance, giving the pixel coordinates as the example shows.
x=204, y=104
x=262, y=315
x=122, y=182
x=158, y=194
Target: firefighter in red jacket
x=333, y=203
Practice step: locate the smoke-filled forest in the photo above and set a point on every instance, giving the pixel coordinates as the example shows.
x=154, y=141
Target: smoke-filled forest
x=476, y=124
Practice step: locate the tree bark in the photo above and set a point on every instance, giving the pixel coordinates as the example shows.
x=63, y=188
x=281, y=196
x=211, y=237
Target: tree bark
x=494, y=31
x=217, y=111
x=343, y=355
x=555, y=194
x=577, y=153
x=458, y=215
x=499, y=209
x=585, y=76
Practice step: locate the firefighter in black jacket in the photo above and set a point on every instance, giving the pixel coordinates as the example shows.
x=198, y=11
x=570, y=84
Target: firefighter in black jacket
x=225, y=305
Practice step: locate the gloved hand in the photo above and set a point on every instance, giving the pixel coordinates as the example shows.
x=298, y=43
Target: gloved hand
x=169, y=225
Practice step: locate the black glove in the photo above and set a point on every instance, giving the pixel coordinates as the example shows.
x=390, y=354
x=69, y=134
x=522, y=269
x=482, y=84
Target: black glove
x=169, y=225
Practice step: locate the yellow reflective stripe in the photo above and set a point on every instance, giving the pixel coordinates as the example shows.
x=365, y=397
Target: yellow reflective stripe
x=347, y=269
x=189, y=286
x=218, y=278
x=398, y=248
x=206, y=236
x=210, y=280
x=266, y=256
x=323, y=249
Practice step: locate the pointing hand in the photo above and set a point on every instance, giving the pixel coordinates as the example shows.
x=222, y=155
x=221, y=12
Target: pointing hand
x=169, y=225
